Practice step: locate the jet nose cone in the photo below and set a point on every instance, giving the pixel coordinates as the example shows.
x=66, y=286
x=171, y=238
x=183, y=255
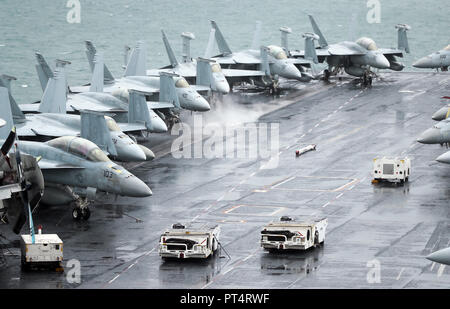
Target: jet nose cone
x=290, y=71
x=441, y=256
x=223, y=87
x=382, y=62
x=200, y=104
x=136, y=153
x=441, y=114
x=430, y=136
x=422, y=63
x=158, y=125
x=148, y=153
x=134, y=187
x=444, y=158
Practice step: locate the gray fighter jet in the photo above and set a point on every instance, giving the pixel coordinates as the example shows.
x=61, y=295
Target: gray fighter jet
x=441, y=256
x=72, y=163
x=356, y=58
x=97, y=100
x=438, y=134
x=437, y=60
x=252, y=59
x=443, y=112
x=135, y=78
x=52, y=121
x=189, y=68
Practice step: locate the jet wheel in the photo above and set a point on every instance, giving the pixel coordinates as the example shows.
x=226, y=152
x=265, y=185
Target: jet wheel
x=85, y=213
x=76, y=213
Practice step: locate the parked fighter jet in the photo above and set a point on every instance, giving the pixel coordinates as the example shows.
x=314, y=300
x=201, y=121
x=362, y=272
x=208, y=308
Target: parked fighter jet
x=437, y=60
x=105, y=103
x=356, y=58
x=279, y=63
x=443, y=112
x=441, y=256
x=52, y=121
x=189, y=68
x=78, y=163
x=438, y=134
x=135, y=78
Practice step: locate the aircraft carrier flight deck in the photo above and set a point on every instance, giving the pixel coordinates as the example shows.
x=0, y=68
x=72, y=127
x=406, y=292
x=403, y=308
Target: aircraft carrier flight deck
x=384, y=226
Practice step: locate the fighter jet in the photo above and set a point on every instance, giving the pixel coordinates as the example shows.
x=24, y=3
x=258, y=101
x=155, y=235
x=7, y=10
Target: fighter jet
x=443, y=112
x=437, y=60
x=189, y=68
x=135, y=78
x=438, y=134
x=52, y=121
x=70, y=164
x=105, y=103
x=441, y=256
x=356, y=58
x=279, y=63
x=21, y=181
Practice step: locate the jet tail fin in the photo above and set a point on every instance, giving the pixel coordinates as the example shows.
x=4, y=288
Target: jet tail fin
x=43, y=70
x=90, y=53
x=402, y=37
x=221, y=43
x=54, y=97
x=310, y=50
x=284, y=38
x=167, y=90
x=211, y=44
x=256, y=43
x=5, y=81
x=204, y=73
x=173, y=60
x=322, y=41
x=265, y=60
x=138, y=109
x=5, y=107
x=136, y=65
x=97, y=74
x=187, y=37
x=95, y=129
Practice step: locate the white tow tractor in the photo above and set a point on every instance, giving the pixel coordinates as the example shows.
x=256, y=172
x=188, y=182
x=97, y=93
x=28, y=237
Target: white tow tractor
x=194, y=240
x=290, y=234
x=41, y=250
x=391, y=169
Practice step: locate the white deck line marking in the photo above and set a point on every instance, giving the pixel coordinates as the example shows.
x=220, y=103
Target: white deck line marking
x=432, y=266
x=112, y=280
x=316, y=125
x=310, y=130
x=341, y=107
x=328, y=203
x=339, y=195
x=401, y=271
x=286, y=180
x=248, y=257
x=335, y=111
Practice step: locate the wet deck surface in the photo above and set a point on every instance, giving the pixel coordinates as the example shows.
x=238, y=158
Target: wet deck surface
x=394, y=227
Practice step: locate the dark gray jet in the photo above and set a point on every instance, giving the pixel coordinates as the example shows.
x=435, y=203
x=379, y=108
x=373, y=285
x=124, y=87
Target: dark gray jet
x=73, y=164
